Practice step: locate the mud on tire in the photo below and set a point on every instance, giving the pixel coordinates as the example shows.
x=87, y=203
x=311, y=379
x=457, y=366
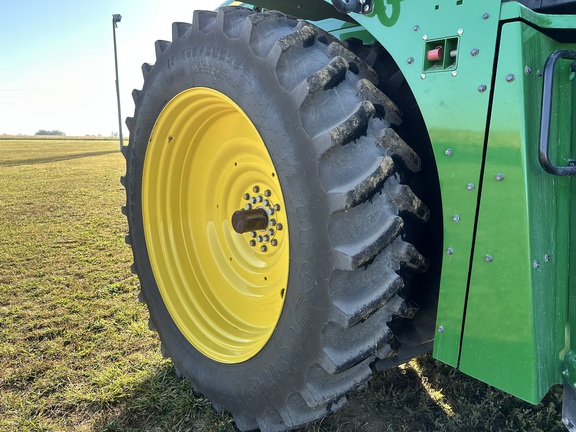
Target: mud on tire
x=330, y=134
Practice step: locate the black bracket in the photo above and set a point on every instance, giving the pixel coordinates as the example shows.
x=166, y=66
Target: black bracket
x=357, y=6
x=547, y=90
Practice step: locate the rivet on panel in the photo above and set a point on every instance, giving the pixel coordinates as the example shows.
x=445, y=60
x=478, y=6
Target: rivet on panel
x=482, y=88
x=410, y=60
x=470, y=187
x=536, y=264
x=423, y=76
x=456, y=218
x=474, y=52
x=441, y=329
x=449, y=251
x=499, y=177
x=489, y=258
x=547, y=257
x=527, y=70
x=510, y=78
x=416, y=27
x=460, y=31
x=425, y=37
x=485, y=16
x=454, y=73
x=448, y=152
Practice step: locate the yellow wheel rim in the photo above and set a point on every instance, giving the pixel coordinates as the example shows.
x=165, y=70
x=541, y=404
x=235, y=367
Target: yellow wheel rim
x=204, y=162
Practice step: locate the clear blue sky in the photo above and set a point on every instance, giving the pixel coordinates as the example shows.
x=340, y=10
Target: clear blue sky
x=57, y=60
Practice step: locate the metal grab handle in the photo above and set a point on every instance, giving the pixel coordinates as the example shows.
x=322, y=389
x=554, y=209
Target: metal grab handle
x=547, y=90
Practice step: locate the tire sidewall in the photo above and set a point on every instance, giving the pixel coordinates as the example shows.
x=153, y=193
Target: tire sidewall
x=279, y=369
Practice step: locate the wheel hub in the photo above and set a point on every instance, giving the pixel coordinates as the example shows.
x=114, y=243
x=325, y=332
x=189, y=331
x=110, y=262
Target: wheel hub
x=259, y=219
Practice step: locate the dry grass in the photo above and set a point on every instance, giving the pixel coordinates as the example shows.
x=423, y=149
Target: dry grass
x=75, y=350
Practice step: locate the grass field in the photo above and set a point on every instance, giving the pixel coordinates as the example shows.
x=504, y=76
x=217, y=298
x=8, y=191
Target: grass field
x=75, y=350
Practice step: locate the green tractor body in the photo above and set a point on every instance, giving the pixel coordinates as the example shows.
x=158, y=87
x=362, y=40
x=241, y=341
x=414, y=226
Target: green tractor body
x=493, y=85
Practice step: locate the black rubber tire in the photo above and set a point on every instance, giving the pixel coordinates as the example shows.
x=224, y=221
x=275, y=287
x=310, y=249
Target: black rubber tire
x=329, y=132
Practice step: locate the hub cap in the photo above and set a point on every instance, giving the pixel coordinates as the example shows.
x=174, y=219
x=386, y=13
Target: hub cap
x=207, y=171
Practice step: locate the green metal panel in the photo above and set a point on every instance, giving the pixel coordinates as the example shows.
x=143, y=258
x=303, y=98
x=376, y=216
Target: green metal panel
x=514, y=335
x=454, y=103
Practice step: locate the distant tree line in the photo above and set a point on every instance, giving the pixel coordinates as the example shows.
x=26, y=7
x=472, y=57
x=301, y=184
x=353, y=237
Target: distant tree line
x=52, y=132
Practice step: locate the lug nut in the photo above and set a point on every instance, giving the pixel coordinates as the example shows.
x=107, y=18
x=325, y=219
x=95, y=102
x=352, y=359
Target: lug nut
x=252, y=243
x=274, y=242
x=280, y=227
x=272, y=222
x=256, y=189
x=263, y=248
x=246, y=196
x=277, y=207
x=267, y=192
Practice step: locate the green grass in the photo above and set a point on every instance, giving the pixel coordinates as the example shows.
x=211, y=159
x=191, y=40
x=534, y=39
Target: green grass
x=75, y=350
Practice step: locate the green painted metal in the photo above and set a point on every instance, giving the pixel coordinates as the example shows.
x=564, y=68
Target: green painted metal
x=455, y=112
x=514, y=335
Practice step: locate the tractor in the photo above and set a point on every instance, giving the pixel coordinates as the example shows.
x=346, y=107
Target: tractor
x=318, y=190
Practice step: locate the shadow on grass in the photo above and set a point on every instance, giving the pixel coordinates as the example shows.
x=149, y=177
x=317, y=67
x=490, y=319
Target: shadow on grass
x=421, y=396
x=57, y=158
x=163, y=402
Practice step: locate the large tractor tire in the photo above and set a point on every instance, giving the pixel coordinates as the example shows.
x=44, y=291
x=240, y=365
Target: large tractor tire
x=268, y=213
